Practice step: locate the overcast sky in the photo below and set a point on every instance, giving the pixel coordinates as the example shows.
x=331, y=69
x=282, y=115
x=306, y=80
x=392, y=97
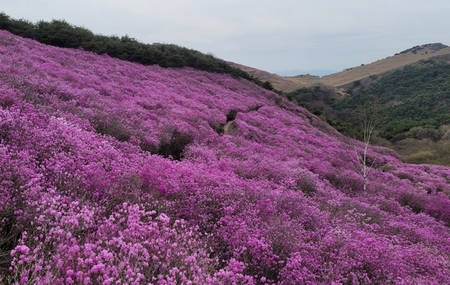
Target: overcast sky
x=275, y=36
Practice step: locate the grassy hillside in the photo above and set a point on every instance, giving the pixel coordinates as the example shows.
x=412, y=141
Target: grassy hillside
x=113, y=172
x=417, y=95
x=399, y=60
x=410, y=56
x=283, y=83
x=415, y=101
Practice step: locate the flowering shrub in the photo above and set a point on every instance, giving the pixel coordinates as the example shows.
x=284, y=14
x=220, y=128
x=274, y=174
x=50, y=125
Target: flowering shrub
x=116, y=173
x=129, y=246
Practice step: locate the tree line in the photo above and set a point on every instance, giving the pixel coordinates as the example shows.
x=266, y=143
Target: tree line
x=62, y=34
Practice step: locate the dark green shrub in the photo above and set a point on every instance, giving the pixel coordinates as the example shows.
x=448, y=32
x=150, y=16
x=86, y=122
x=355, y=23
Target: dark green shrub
x=403, y=175
x=147, y=146
x=111, y=127
x=6, y=102
x=173, y=144
x=217, y=127
x=231, y=115
x=412, y=200
x=307, y=186
x=10, y=233
x=347, y=184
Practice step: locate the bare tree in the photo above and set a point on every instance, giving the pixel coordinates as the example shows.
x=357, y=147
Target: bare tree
x=368, y=117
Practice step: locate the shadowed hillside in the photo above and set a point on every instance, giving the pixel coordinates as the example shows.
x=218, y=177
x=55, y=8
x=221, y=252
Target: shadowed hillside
x=113, y=172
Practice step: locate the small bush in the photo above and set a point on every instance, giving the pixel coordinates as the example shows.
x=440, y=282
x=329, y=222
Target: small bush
x=403, y=175
x=231, y=115
x=307, y=186
x=438, y=206
x=148, y=146
x=413, y=200
x=9, y=236
x=6, y=102
x=174, y=144
x=346, y=183
x=422, y=156
x=217, y=127
x=365, y=214
x=112, y=127
x=390, y=206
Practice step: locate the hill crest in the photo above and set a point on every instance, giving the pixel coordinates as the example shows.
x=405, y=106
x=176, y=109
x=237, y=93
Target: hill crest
x=399, y=60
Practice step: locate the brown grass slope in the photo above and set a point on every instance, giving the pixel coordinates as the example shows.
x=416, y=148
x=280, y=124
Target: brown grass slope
x=384, y=65
x=282, y=83
x=291, y=83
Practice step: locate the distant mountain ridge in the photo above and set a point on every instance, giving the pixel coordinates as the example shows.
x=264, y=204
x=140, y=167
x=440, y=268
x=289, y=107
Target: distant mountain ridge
x=314, y=72
x=282, y=83
x=432, y=48
x=400, y=60
x=406, y=57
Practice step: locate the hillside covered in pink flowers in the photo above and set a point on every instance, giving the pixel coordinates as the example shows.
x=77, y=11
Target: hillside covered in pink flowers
x=113, y=172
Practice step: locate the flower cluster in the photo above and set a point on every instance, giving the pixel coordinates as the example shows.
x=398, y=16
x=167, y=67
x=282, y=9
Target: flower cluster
x=117, y=173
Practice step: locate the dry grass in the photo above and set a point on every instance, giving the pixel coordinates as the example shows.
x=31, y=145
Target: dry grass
x=282, y=83
x=291, y=83
x=378, y=67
